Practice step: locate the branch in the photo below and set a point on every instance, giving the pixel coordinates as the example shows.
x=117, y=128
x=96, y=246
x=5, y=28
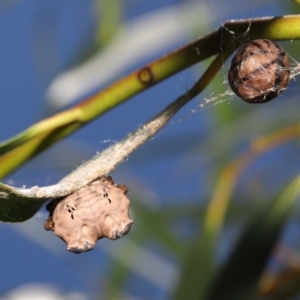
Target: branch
x=18, y=205
x=42, y=135
x=106, y=161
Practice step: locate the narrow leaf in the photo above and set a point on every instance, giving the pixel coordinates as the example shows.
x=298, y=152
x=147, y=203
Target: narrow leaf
x=15, y=207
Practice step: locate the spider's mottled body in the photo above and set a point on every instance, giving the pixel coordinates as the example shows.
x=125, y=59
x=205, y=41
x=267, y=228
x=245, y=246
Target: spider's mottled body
x=93, y=212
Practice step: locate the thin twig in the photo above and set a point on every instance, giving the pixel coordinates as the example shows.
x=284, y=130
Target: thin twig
x=106, y=161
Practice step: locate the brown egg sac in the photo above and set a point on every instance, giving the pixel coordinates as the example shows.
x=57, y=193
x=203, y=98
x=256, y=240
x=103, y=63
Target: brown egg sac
x=93, y=212
x=259, y=71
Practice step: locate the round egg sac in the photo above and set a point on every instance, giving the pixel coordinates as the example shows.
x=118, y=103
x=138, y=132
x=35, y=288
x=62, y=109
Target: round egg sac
x=259, y=71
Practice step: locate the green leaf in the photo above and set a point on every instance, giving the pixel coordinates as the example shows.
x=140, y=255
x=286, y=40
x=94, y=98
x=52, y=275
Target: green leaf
x=27, y=144
x=14, y=207
x=109, y=20
x=239, y=277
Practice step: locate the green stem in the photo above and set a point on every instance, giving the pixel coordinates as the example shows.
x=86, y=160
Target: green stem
x=52, y=129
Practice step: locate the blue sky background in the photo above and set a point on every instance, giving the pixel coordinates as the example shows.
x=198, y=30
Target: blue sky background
x=40, y=39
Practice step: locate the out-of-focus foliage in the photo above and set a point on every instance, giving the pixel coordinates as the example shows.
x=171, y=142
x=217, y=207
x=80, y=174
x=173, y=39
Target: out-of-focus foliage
x=230, y=198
